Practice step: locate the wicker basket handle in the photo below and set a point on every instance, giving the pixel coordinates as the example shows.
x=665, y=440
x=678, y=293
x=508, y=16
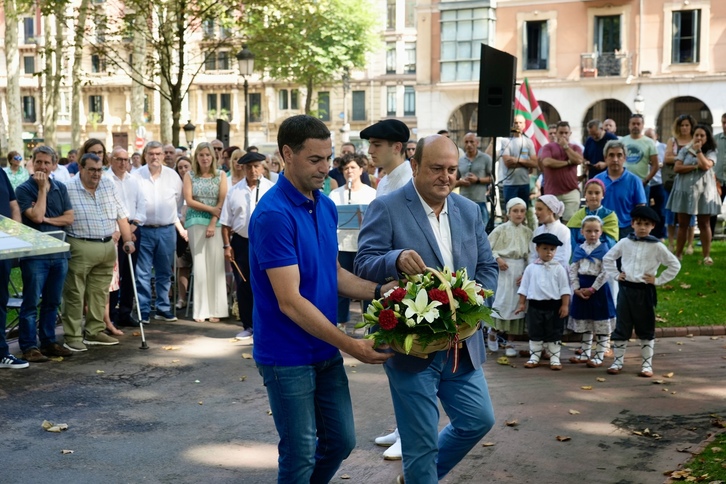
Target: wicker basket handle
x=447, y=288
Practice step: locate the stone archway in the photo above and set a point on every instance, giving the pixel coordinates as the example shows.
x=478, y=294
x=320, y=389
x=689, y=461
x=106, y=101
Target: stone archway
x=681, y=105
x=463, y=120
x=550, y=113
x=608, y=108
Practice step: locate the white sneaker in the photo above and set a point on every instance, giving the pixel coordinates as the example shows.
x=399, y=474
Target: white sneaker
x=387, y=440
x=394, y=451
x=510, y=352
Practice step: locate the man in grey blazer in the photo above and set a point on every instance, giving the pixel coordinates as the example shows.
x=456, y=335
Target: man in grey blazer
x=424, y=224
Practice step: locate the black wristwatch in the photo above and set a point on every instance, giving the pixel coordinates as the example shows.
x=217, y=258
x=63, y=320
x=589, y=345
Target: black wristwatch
x=377, y=291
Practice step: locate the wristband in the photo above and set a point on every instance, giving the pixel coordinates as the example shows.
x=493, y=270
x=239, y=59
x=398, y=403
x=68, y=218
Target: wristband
x=226, y=246
x=377, y=291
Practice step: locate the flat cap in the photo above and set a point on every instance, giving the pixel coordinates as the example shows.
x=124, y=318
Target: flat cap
x=251, y=157
x=647, y=213
x=388, y=129
x=548, y=239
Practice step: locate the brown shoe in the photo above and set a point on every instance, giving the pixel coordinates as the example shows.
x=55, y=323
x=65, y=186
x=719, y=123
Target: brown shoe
x=33, y=355
x=54, y=349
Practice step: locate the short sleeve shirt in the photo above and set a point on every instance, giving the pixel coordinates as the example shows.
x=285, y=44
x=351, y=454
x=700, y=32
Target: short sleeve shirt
x=288, y=229
x=57, y=203
x=637, y=158
x=558, y=181
x=7, y=194
x=481, y=166
x=622, y=195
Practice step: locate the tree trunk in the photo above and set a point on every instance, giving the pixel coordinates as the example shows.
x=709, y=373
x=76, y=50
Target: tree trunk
x=165, y=122
x=80, y=27
x=12, y=59
x=53, y=53
x=309, y=97
x=137, y=89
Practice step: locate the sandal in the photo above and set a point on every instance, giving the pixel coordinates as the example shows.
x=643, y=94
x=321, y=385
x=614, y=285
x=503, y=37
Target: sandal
x=555, y=367
x=213, y=320
x=707, y=261
x=594, y=363
x=531, y=364
x=645, y=373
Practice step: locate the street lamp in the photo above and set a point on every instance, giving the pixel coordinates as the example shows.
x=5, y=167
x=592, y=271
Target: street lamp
x=189, y=129
x=246, y=61
x=639, y=103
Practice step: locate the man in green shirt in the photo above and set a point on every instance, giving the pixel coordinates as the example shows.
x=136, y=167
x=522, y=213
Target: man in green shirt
x=641, y=158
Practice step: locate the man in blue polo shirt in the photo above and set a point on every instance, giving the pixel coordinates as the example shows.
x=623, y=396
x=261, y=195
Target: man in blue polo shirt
x=45, y=206
x=623, y=190
x=295, y=278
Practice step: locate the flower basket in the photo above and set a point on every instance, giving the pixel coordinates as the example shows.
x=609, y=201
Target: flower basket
x=428, y=313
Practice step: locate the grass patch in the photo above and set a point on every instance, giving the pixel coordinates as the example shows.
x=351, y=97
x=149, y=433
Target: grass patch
x=708, y=466
x=695, y=296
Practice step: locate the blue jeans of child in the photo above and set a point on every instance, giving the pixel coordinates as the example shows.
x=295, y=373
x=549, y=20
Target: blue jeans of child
x=155, y=251
x=42, y=278
x=313, y=415
x=428, y=455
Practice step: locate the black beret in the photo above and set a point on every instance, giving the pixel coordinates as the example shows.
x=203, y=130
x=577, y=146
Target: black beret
x=549, y=239
x=647, y=213
x=388, y=129
x=251, y=157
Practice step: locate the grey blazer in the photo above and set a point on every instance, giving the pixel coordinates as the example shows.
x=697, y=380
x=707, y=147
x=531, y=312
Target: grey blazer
x=397, y=222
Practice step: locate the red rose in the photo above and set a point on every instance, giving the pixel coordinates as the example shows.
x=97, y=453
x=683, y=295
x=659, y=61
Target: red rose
x=439, y=295
x=397, y=295
x=460, y=294
x=387, y=319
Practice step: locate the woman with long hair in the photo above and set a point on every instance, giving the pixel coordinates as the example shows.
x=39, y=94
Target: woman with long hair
x=694, y=189
x=682, y=130
x=205, y=187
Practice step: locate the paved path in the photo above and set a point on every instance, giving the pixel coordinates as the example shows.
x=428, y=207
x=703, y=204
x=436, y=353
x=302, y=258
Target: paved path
x=192, y=409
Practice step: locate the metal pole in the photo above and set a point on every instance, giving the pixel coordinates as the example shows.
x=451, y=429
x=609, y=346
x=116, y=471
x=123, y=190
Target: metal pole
x=143, y=346
x=247, y=114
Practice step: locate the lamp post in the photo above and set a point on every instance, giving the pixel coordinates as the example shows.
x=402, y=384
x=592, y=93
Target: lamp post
x=189, y=129
x=246, y=61
x=639, y=102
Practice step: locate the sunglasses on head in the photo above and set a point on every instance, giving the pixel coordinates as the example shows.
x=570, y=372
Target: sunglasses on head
x=636, y=115
x=18, y=158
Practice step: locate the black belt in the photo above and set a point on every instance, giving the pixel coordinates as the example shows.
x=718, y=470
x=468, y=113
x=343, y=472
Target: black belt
x=102, y=240
x=156, y=226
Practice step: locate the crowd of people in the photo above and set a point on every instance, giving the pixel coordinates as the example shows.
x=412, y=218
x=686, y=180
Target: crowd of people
x=271, y=222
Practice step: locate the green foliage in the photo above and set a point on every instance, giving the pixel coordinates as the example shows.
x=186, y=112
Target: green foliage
x=708, y=466
x=696, y=296
x=311, y=41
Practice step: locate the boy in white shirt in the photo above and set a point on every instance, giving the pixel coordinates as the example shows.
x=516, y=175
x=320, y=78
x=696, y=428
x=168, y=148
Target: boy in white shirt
x=641, y=255
x=546, y=287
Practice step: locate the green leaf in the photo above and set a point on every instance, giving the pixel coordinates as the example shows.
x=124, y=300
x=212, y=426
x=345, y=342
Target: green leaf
x=408, y=343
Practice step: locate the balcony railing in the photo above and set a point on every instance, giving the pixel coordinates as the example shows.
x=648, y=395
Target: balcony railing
x=609, y=64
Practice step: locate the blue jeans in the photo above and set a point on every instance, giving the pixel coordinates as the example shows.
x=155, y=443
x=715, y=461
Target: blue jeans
x=314, y=418
x=5, y=266
x=484, y=212
x=156, y=250
x=42, y=278
x=428, y=455
x=512, y=191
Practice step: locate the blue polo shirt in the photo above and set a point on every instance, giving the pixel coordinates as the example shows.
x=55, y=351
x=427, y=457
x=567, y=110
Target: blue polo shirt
x=622, y=195
x=593, y=152
x=287, y=229
x=57, y=203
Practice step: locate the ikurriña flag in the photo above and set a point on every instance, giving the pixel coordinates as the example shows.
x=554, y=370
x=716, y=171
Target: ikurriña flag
x=535, y=126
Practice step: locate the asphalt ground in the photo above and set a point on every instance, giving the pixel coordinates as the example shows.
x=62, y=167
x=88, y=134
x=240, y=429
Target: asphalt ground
x=192, y=409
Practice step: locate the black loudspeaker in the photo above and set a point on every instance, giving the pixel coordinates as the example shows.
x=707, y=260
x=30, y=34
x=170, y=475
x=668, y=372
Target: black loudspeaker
x=497, y=75
x=223, y=132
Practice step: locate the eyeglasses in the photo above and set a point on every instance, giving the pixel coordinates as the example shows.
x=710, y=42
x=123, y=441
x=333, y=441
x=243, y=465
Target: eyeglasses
x=94, y=171
x=18, y=158
x=124, y=160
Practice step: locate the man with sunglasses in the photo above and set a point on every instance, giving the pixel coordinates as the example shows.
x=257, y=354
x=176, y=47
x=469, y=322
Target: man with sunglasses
x=129, y=187
x=97, y=209
x=641, y=157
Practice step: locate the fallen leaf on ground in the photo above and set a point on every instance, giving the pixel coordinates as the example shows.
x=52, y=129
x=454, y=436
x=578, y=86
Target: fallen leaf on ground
x=679, y=342
x=487, y=444
x=562, y=438
x=684, y=449
x=689, y=336
x=714, y=337
x=646, y=432
x=669, y=374
x=503, y=360
x=574, y=412
x=55, y=358
x=169, y=348
x=135, y=333
x=196, y=381
x=658, y=382
x=673, y=393
x=717, y=422
x=716, y=449
x=685, y=286
x=638, y=432
x=175, y=361
x=600, y=379
x=511, y=423
x=201, y=403
x=269, y=412
x=66, y=451
x=51, y=427
x=681, y=474
x=586, y=387
x=345, y=476
x=100, y=372
x=243, y=378
x=247, y=356
x=667, y=287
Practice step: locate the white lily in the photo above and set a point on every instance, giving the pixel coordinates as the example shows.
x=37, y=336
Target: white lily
x=472, y=290
x=421, y=309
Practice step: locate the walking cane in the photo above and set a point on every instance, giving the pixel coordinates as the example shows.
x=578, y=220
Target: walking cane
x=143, y=346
